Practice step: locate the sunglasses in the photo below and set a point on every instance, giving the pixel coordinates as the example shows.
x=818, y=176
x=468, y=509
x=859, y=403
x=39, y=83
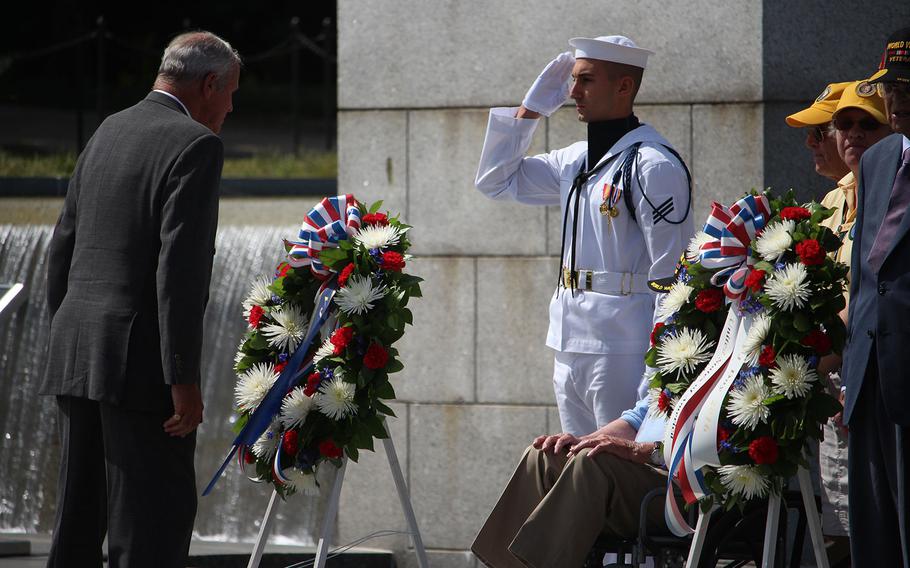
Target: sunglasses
x=892, y=87
x=868, y=124
x=818, y=133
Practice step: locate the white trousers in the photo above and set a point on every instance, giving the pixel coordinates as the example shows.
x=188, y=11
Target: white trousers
x=592, y=390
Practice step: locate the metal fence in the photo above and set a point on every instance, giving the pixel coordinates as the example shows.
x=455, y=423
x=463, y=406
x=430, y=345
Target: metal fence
x=289, y=47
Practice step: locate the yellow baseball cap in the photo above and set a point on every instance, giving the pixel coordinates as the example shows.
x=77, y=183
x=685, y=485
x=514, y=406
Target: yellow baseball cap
x=862, y=95
x=821, y=110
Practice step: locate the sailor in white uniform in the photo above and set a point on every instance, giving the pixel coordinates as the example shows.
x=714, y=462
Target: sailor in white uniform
x=626, y=210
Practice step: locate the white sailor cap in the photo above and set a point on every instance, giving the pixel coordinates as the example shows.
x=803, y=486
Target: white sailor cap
x=618, y=49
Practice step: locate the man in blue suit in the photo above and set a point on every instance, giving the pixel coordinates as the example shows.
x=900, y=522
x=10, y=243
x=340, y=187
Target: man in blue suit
x=877, y=359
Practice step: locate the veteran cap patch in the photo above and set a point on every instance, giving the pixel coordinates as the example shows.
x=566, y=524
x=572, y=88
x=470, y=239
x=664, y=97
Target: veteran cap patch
x=895, y=65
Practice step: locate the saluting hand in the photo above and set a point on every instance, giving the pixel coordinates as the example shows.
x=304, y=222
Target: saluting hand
x=551, y=89
x=187, y=410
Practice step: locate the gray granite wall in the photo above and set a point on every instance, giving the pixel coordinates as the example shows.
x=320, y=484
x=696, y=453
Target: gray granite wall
x=416, y=79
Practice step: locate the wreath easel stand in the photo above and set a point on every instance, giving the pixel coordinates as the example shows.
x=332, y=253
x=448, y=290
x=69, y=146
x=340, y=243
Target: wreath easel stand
x=769, y=549
x=325, y=535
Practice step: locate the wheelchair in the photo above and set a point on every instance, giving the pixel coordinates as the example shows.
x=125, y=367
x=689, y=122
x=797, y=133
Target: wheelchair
x=735, y=537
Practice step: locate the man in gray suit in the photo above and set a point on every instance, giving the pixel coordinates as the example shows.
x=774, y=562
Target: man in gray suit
x=876, y=361
x=127, y=285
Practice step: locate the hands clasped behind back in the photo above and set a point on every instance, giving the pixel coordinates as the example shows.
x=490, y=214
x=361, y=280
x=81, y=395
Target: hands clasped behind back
x=551, y=89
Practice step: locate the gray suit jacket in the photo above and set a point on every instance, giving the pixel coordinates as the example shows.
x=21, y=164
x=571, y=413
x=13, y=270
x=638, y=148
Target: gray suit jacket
x=131, y=258
x=879, y=315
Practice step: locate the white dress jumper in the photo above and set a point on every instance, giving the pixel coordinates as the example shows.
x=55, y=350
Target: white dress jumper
x=600, y=330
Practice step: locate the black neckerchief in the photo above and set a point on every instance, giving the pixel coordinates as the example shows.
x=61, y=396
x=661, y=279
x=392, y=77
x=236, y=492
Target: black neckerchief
x=604, y=134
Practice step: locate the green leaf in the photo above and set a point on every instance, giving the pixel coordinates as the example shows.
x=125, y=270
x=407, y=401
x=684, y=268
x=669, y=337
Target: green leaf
x=394, y=366
x=383, y=389
x=381, y=407
x=258, y=342
x=802, y=322
x=375, y=207
x=352, y=453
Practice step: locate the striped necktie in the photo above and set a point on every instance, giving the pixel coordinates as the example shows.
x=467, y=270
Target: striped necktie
x=897, y=205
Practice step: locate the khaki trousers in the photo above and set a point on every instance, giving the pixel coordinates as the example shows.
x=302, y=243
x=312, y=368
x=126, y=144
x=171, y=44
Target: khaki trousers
x=553, y=509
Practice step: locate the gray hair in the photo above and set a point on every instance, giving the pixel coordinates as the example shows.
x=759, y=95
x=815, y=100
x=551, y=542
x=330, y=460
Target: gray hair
x=193, y=55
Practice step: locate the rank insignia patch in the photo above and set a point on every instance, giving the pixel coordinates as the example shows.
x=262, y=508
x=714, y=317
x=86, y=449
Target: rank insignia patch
x=661, y=211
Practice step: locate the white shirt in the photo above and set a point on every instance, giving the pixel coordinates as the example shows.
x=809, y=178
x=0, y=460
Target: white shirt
x=179, y=102
x=647, y=247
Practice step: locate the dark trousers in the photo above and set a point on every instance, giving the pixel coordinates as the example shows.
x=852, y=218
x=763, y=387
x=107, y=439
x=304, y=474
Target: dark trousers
x=121, y=474
x=875, y=534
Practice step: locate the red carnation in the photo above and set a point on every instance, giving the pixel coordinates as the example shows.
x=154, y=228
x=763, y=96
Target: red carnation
x=763, y=450
x=376, y=219
x=328, y=449
x=767, y=356
x=795, y=213
x=280, y=366
x=376, y=356
x=393, y=261
x=663, y=401
x=722, y=435
x=341, y=338
x=810, y=252
x=817, y=340
x=283, y=269
x=249, y=457
x=655, y=333
x=755, y=280
x=709, y=300
x=345, y=274
x=313, y=379
x=309, y=390
x=290, y=442
x=256, y=314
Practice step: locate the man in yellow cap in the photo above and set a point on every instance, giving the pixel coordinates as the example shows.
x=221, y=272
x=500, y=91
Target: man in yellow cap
x=816, y=119
x=858, y=123
x=876, y=358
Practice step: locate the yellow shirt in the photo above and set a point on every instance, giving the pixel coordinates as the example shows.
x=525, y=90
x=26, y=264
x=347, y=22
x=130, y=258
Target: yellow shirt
x=843, y=200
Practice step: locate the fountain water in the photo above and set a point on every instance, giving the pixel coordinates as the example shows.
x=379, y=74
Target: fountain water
x=29, y=443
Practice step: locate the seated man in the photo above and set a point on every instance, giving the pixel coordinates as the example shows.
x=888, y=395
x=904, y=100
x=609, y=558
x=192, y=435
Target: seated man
x=568, y=490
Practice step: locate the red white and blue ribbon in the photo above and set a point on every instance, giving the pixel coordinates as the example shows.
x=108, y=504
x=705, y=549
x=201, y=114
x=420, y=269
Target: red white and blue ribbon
x=679, y=431
x=334, y=219
x=732, y=232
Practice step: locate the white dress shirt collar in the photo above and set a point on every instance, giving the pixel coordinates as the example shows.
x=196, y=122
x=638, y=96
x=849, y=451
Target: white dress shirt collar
x=179, y=102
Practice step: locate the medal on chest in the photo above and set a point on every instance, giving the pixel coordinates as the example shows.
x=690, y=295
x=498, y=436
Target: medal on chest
x=610, y=198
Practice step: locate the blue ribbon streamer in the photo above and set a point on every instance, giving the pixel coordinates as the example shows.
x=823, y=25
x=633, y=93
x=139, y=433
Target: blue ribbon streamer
x=262, y=417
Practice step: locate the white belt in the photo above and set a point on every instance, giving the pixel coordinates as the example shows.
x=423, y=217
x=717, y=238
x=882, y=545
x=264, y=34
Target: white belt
x=622, y=283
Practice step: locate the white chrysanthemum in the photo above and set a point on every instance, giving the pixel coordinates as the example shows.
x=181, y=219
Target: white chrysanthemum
x=674, y=299
x=265, y=446
x=325, y=350
x=789, y=288
x=253, y=385
x=792, y=377
x=358, y=295
x=746, y=404
x=377, y=236
x=302, y=481
x=755, y=339
x=239, y=355
x=775, y=240
x=294, y=408
x=288, y=329
x=259, y=295
x=683, y=350
x=693, y=251
x=744, y=480
x=335, y=399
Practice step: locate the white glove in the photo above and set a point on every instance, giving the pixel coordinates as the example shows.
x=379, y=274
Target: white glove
x=551, y=89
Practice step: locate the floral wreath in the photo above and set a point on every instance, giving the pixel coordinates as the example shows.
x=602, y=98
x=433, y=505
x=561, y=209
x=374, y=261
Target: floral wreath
x=785, y=280
x=317, y=404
